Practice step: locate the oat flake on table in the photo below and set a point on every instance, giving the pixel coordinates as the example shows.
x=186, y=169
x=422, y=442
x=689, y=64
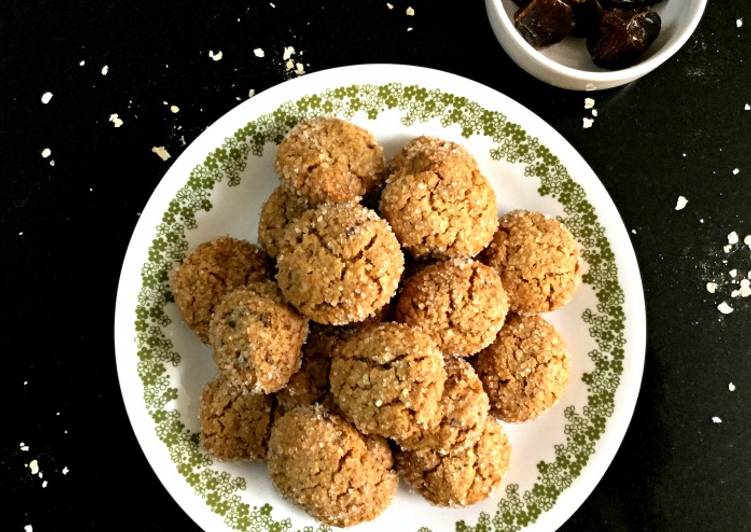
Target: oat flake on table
x=162, y=152
x=724, y=308
x=731, y=386
x=680, y=203
x=46, y=97
x=105, y=70
x=116, y=120
x=587, y=122
x=258, y=52
x=216, y=56
x=716, y=419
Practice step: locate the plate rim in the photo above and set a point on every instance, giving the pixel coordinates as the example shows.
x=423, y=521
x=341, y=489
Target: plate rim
x=617, y=423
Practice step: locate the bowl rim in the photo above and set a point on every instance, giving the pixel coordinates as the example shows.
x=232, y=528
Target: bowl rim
x=634, y=71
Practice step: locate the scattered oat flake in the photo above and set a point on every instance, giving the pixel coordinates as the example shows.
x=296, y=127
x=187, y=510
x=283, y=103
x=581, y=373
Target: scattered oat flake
x=105, y=70
x=410, y=11
x=34, y=467
x=65, y=470
x=290, y=64
x=52, y=162
x=633, y=231
x=731, y=386
x=745, y=290
x=733, y=273
x=161, y=151
x=174, y=108
x=681, y=203
x=409, y=29
x=727, y=248
x=747, y=240
x=272, y=5
x=587, y=122
x=739, y=22
x=46, y=152
x=44, y=484
x=711, y=288
x=299, y=69
x=81, y=62
x=724, y=308
x=258, y=52
x=589, y=103
x=390, y=6
x=289, y=51
x=595, y=113
x=747, y=107
x=716, y=419
x=20, y=233
x=735, y=293
x=251, y=93
x=216, y=56
x=28, y=528
x=46, y=97
x=23, y=446
x=116, y=120
x=736, y=171
x=732, y=238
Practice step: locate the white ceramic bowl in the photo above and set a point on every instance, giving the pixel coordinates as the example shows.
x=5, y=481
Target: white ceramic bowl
x=568, y=64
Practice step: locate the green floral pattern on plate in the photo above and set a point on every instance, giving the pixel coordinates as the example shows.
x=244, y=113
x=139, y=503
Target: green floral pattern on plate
x=583, y=429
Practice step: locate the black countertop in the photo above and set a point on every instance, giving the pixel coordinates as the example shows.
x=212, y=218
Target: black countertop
x=681, y=131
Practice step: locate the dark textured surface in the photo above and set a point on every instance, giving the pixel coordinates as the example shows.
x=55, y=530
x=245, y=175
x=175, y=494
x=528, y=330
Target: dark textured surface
x=677, y=470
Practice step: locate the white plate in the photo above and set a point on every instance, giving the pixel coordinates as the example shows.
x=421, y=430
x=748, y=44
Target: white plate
x=217, y=187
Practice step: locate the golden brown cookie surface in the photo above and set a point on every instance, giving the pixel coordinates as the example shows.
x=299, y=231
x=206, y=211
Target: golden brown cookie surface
x=257, y=337
x=340, y=263
x=437, y=201
x=235, y=423
x=464, y=410
x=329, y=160
x=388, y=379
x=459, y=478
x=211, y=271
x=277, y=213
x=321, y=462
x=525, y=370
x=461, y=303
x=537, y=259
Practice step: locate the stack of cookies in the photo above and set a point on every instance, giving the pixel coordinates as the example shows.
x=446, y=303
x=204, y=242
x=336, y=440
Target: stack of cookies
x=385, y=324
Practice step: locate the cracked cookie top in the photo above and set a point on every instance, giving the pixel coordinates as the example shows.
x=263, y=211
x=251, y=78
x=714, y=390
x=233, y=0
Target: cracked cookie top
x=211, y=271
x=464, y=409
x=461, y=477
x=277, y=213
x=257, y=337
x=321, y=462
x=537, y=259
x=461, y=303
x=525, y=370
x=329, y=160
x=340, y=263
x=437, y=201
x=389, y=379
x=235, y=423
